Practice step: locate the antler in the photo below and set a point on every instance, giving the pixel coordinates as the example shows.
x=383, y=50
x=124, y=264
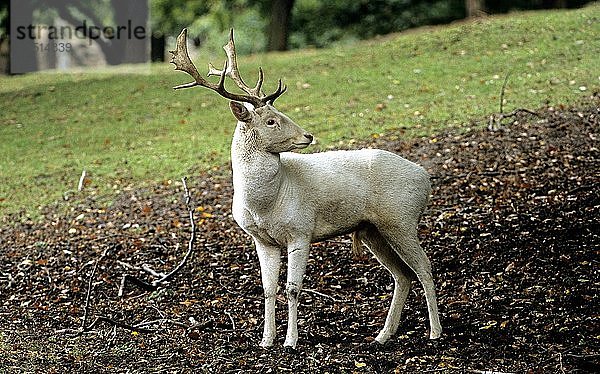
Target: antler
x=182, y=62
x=255, y=96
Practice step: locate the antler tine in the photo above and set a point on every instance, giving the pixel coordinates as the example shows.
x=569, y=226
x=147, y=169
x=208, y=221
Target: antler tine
x=233, y=72
x=212, y=70
x=257, y=89
x=272, y=97
x=182, y=62
x=221, y=85
x=254, y=100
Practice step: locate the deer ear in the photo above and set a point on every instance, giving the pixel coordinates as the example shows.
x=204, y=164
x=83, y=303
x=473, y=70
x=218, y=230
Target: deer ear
x=240, y=111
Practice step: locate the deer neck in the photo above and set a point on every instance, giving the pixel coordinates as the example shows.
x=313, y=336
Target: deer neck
x=257, y=174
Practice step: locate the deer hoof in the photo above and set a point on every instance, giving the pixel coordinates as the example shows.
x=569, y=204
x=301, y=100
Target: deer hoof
x=290, y=349
x=381, y=338
x=266, y=342
x=289, y=344
x=376, y=343
x=435, y=334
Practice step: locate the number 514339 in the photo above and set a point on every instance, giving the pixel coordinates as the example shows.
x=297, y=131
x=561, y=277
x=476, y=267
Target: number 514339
x=53, y=47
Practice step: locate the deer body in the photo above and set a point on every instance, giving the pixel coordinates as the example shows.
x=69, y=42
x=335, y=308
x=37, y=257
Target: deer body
x=286, y=201
x=327, y=194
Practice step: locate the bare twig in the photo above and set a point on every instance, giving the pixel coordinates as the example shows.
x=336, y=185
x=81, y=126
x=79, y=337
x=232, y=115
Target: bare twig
x=138, y=282
x=495, y=120
x=154, y=285
x=115, y=324
x=81, y=181
x=160, y=321
x=322, y=294
x=231, y=319
x=151, y=271
x=130, y=279
x=502, y=92
x=86, y=309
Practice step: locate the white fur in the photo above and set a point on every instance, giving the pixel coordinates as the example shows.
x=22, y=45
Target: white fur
x=287, y=201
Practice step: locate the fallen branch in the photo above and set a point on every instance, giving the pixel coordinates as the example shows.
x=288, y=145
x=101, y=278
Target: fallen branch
x=154, y=285
x=160, y=321
x=151, y=271
x=133, y=280
x=495, y=121
x=502, y=91
x=86, y=310
x=116, y=324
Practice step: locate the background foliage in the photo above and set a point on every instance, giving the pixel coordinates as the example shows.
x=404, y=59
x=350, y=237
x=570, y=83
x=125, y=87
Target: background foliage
x=126, y=128
x=211, y=17
x=319, y=23
x=314, y=23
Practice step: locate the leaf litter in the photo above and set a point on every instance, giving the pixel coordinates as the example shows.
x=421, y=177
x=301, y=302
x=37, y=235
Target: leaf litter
x=512, y=231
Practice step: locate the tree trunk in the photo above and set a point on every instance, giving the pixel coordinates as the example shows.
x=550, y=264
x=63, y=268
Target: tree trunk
x=474, y=7
x=279, y=25
x=157, y=48
x=549, y=4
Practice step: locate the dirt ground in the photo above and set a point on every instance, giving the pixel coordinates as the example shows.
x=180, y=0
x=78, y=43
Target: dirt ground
x=512, y=232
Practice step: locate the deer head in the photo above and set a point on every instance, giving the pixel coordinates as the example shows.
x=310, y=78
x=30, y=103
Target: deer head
x=270, y=130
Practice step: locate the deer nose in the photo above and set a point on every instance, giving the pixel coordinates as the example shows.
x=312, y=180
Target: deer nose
x=308, y=136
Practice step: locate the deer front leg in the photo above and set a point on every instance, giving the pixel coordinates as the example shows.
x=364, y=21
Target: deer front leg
x=270, y=261
x=297, y=259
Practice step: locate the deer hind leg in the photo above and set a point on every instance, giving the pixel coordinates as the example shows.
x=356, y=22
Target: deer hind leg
x=270, y=262
x=406, y=244
x=402, y=275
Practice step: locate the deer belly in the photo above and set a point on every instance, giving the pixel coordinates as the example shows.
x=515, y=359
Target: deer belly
x=336, y=221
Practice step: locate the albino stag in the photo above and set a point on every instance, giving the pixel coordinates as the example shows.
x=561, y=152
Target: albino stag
x=288, y=200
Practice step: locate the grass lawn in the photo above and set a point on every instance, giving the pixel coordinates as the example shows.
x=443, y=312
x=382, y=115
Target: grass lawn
x=128, y=129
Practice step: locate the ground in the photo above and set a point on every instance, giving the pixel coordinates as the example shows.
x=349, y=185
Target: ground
x=512, y=233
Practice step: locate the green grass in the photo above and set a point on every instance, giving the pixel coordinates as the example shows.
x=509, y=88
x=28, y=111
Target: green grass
x=130, y=129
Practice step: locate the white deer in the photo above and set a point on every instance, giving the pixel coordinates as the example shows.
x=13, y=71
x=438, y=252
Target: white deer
x=286, y=201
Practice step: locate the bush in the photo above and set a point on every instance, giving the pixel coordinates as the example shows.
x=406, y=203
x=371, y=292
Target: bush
x=319, y=22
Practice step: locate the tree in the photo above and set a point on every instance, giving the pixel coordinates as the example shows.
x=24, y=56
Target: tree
x=4, y=26
x=170, y=16
x=3, y=18
x=474, y=7
x=279, y=25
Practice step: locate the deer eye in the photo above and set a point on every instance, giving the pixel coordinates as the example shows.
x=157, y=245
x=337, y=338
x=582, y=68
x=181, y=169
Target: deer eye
x=271, y=122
